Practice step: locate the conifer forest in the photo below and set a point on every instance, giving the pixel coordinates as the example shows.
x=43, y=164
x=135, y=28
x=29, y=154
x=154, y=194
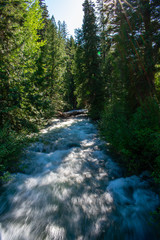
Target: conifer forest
x=111, y=67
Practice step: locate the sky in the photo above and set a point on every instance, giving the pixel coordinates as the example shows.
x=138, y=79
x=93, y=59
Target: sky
x=70, y=11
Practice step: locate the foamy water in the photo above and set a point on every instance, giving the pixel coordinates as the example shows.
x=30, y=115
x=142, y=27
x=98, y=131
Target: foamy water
x=72, y=189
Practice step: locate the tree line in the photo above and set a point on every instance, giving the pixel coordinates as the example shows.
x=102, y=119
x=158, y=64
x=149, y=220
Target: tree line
x=111, y=68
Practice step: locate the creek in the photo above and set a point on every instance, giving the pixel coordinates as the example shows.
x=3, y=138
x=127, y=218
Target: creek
x=72, y=189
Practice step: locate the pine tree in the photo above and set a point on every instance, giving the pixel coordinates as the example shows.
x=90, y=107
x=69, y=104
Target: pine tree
x=134, y=26
x=70, y=74
x=92, y=84
x=79, y=69
x=45, y=17
x=12, y=17
x=20, y=45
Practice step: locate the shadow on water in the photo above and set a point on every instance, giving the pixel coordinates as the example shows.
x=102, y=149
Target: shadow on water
x=73, y=190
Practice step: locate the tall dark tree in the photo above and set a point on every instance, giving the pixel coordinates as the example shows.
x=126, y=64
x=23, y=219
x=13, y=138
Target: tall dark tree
x=69, y=77
x=92, y=84
x=133, y=27
x=79, y=68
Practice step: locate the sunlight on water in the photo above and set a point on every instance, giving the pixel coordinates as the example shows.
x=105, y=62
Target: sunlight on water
x=72, y=189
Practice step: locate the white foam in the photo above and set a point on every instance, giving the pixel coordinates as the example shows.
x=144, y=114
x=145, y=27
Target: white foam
x=66, y=192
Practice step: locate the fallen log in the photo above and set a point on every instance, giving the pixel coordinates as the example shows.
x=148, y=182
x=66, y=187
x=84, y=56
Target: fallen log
x=72, y=113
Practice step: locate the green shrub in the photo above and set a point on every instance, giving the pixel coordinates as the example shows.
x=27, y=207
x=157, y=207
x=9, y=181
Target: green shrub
x=156, y=172
x=114, y=125
x=145, y=130
x=11, y=147
x=135, y=136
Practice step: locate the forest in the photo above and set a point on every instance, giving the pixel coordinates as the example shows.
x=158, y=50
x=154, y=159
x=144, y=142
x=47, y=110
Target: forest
x=111, y=67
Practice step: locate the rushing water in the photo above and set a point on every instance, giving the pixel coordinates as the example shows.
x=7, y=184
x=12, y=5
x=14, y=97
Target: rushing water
x=72, y=189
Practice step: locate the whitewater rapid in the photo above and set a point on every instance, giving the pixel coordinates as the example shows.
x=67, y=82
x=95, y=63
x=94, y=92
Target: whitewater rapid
x=71, y=189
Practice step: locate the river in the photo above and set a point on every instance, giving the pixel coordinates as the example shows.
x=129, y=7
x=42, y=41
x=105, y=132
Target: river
x=71, y=189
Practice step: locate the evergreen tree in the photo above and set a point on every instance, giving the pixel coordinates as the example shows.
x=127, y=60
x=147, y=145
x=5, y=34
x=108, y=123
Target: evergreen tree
x=20, y=22
x=92, y=83
x=11, y=17
x=53, y=67
x=70, y=74
x=79, y=68
x=133, y=26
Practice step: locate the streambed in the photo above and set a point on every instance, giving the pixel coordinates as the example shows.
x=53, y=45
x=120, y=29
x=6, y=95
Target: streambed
x=72, y=189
